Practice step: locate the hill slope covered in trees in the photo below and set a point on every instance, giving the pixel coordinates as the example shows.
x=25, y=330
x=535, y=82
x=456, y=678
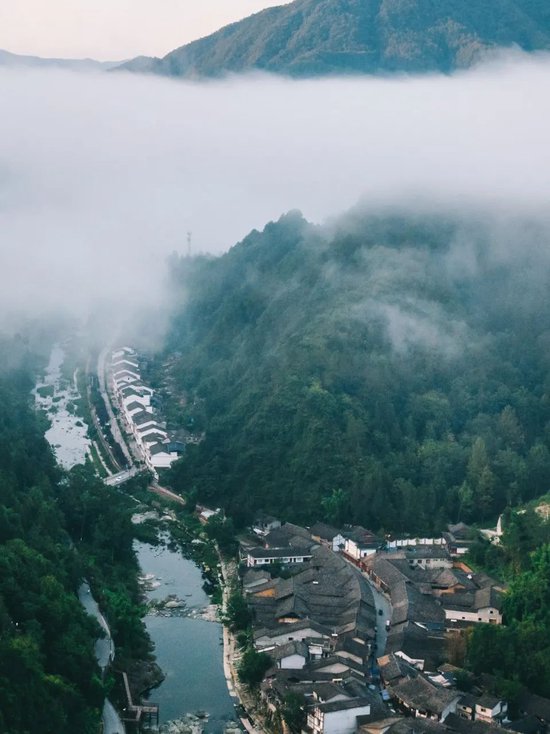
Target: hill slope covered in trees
x=389, y=370
x=316, y=37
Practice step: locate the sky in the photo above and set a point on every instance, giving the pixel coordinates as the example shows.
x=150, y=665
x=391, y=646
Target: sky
x=103, y=175
x=109, y=30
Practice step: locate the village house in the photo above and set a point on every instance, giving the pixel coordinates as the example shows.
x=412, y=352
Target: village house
x=490, y=709
x=264, y=524
x=328, y=536
x=482, y=605
x=459, y=538
x=360, y=543
x=418, y=697
x=266, y=556
x=303, y=630
x=336, y=717
x=291, y=656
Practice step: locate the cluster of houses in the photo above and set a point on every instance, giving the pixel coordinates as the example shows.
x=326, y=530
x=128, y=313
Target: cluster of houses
x=361, y=629
x=139, y=410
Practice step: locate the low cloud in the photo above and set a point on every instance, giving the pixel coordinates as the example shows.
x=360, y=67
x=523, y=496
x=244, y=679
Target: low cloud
x=103, y=176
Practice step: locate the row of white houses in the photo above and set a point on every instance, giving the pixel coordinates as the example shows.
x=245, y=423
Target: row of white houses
x=136, y=401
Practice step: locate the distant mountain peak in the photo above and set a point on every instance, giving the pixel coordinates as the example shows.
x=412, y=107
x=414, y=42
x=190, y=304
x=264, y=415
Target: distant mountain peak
x=323, y=37
x=37, y=62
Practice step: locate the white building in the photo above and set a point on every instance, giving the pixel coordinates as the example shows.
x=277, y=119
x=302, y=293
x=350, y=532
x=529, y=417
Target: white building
x=337, y=717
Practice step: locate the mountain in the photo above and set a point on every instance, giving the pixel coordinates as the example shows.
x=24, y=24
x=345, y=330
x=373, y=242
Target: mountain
x=15, y=60
x=387, y=370
x=316, y=37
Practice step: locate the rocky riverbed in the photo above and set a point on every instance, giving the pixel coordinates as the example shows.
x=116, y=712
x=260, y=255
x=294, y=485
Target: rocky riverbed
x=190, y=724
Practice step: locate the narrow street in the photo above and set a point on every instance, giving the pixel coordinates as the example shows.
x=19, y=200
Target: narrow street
x=382, y=604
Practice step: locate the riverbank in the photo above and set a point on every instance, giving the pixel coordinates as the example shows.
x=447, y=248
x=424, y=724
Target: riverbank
x=232, y=656
x=188, y=641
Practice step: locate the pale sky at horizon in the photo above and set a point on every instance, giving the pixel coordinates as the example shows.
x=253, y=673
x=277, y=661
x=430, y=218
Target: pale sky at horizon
x=114, y=29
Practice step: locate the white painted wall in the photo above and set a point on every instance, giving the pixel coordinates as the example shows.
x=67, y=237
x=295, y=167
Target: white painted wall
x=489, y=615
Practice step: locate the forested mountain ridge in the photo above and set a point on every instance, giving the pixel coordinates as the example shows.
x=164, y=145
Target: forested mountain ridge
x=389, y=370
x=317, y=37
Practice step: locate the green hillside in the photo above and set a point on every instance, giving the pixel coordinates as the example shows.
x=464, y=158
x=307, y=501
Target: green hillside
x=388, y=370
x=316, y=37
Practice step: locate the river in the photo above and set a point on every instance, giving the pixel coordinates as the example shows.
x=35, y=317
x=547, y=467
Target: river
x=189, y=649
x=68, y=437
x=68, y=434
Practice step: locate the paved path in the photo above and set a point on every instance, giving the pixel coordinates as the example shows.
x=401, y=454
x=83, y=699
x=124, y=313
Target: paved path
x=381, y=602
x=115, y=479
x=115, y=429
x=232, y=656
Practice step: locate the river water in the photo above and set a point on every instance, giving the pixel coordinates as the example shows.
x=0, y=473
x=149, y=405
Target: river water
x=68, y=437
x=67, y=434
x=188, y=649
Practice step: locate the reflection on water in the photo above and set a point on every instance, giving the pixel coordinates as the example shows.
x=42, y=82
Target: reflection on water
x=189, y=651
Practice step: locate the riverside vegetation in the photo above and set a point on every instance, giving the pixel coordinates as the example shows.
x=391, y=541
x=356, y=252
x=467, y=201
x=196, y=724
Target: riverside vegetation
x=57, y=527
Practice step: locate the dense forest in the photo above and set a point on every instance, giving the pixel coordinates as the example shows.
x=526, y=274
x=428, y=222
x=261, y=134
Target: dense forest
x=55, y=529
x=318, y=37
x=517, y=654
x=390, y=370
x=49, y=679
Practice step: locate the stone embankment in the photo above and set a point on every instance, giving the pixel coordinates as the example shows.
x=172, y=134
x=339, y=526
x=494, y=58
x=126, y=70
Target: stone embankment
x=190, y=724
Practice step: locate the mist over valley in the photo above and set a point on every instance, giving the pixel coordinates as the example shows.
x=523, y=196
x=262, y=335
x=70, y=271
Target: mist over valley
x=274, y=355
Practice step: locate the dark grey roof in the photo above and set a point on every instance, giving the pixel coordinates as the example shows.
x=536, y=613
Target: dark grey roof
x=526, y=725
x=260, y=553
x=419, y=693
x=120, y=373
x=536, y=705
x=133, y=405
x=158, y=448
x=473, y=601
x=393, y=667
x=324, y=691
x=426, y=551
x=488, y=701
x=417, y=726
x=455, y=723
x=152, y=438
x=418, y=643
x=360, y=535
x=342, y=705
x=144, y=417
x=294, y=627
x=295, y=647
x=284, y=534
x=325, y=589
x=460, y=530
x=326, y=532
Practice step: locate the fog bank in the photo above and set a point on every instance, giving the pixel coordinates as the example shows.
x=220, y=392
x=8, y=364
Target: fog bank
x=102, y=177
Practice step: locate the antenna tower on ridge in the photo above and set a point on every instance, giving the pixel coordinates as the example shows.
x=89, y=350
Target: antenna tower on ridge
x=189, y=244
